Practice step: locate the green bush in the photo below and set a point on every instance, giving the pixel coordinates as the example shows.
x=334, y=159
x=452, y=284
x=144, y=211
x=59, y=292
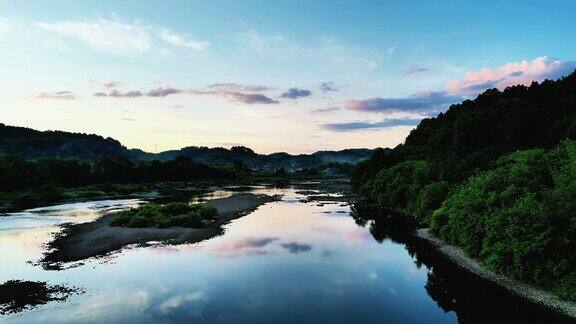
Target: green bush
x=164, y=216
x=177, y=208
x=44, y=194
x=519, y=218
x=122, y=218
x=207, y=211
x=402, y=185
x=140, y=221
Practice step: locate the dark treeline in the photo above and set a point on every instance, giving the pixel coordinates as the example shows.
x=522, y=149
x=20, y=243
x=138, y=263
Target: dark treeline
x=34, y=144
x=17, y=173
x=495, y=176
x=469, y=137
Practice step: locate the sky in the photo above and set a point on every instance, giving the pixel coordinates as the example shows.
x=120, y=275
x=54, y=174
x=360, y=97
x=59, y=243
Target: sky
x=293, y=76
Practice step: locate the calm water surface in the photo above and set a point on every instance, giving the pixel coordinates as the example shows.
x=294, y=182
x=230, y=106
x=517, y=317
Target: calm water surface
x=289, y=261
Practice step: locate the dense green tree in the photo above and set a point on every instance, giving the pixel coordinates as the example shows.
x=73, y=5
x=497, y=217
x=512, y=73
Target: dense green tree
x=520, y=217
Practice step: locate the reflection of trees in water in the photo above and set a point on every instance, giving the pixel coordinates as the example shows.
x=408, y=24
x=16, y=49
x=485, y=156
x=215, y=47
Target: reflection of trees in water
x=438, y=292
x=473, y=299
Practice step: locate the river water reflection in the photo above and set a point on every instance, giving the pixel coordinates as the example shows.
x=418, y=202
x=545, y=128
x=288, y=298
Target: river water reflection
x=290, y=261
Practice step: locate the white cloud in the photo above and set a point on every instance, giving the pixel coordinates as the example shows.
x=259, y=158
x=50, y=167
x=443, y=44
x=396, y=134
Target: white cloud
x=4, y=27
x=178, y=301
x=63, y=95
x=120, y=37
x=261, y=43
x=524, y=72
x=171, y=37
x=103, y=34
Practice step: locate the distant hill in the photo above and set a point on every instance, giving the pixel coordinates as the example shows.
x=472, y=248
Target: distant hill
x=34, y=144
x=261, y=161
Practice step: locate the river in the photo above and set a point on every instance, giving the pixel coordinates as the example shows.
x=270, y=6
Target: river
x=296, y=260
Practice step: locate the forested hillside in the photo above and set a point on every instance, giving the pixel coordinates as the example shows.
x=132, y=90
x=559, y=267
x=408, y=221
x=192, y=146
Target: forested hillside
x=415, y=176
x=495, y=176
x=33, y=144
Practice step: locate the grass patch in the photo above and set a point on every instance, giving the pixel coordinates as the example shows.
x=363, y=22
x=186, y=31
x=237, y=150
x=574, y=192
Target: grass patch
x=164, y=216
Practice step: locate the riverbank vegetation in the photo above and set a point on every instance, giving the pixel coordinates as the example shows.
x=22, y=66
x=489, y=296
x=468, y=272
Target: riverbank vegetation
x=163, y=216
x=17, y=173
x=495, y=176
x=29, y=183
x=519, y=218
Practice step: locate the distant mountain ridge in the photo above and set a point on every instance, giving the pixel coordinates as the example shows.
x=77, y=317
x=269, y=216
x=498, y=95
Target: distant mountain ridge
x=34, y=144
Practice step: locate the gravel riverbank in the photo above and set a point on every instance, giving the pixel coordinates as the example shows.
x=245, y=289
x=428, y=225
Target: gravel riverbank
x=457, y=256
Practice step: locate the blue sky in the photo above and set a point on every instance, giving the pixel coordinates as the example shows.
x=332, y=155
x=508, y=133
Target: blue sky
x=294, y=76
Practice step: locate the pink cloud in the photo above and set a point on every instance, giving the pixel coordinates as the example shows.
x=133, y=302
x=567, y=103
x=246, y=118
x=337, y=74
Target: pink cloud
x=419, y=102
x=112, y=84
x=251, y=98
x=325, y=110
x=238, y=87
x=524, y=72
x=64, y=95
x=246, y=98
x=129, y=94
x=162, y=92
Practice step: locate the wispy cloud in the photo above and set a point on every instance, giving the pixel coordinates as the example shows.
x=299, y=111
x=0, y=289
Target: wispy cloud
x=295, y=247
x=329, y=87
x=104, y=34
x=250, y=98
x=328, y=54
x=247, y=246
x=259, y=42
x=235, y=96
x=238, y=87
x=119, y=94
x=120, y=37
x=294, y=93
x=426, y=101
x=157, y=92
x=111, y=84
x=175, y=39
x=256, y=242
x=62, y=95
x=169, y=305
x=523, y=72
x=325, y=110
x=365, y=125
x=162, y=92
x=4, y=27
x=416, y=70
